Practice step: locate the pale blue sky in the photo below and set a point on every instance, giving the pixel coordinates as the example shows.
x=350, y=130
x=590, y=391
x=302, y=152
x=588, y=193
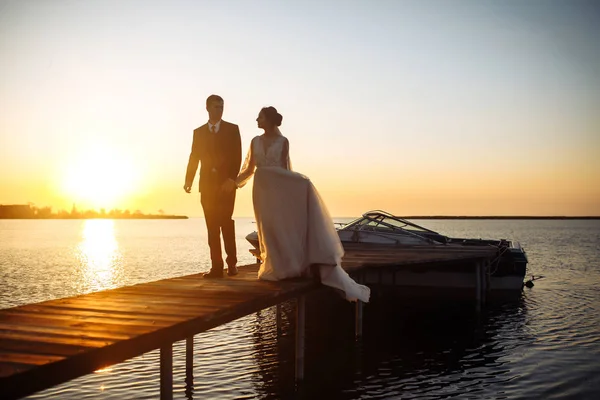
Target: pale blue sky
x=417, y=107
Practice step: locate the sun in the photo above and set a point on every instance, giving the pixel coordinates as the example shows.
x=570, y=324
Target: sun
x=99, y=178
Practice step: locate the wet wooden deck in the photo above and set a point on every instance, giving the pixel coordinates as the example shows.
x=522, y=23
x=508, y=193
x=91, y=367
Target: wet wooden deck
x=48, y=343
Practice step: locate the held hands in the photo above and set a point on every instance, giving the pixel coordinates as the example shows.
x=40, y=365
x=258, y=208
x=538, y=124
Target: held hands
x=228, y=186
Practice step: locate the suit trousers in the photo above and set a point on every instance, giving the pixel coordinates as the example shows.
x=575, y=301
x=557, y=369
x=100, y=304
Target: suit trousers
x=218, y=209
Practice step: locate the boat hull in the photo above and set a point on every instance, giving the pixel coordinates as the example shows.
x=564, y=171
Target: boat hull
x=447, y=280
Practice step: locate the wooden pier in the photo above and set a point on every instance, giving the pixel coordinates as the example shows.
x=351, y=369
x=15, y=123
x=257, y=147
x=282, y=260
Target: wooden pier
x=52, y=342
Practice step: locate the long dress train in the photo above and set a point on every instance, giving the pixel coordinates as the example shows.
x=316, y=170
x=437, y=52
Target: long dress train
x=295, y=229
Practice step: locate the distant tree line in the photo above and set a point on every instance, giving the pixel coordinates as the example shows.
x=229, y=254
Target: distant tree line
x=29, y=211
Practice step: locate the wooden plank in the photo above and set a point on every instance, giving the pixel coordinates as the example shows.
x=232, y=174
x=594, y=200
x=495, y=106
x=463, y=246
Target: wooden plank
x=74, y=320
x=84, y=341
x=8, y=330
x=118, y=316
x=27, y=358
x=224, y=285
x=59, y=349
x=169, y=294
x=155, y=313
x=114, y=307
x=203, y=306
x=246, y=289
x=109, y=331
x=149, y=301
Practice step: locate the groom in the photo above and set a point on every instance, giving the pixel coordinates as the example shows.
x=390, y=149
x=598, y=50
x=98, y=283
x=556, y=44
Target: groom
x=218, y=147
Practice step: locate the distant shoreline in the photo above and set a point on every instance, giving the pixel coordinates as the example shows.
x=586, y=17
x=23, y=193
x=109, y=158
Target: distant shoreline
x=27, y=211
x=107, y=217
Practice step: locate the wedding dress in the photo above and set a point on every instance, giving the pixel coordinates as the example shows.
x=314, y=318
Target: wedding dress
x=295, y=229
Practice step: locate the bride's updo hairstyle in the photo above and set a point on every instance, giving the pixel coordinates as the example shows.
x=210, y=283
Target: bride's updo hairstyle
x=272, y=115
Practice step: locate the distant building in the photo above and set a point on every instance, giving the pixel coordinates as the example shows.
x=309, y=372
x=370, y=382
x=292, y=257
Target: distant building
x=16, y=211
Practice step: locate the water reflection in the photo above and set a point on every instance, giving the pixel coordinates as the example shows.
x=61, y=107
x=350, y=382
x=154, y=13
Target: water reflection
x=434, y=350
x=100, y=261
x=274, y=354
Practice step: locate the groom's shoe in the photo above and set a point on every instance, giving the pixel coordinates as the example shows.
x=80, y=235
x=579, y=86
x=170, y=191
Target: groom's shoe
x=232, y=270
x=214, y=274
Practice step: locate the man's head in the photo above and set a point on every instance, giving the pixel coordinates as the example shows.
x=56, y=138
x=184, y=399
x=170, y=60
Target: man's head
x=214, y=106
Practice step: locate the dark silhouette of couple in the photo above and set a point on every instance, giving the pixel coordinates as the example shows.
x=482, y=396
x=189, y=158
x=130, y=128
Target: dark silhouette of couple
x=296, y=233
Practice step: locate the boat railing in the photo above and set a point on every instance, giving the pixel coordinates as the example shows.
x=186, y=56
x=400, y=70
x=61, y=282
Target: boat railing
x=393, y=230
x=396, y=218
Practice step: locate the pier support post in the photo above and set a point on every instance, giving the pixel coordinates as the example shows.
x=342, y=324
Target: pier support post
x=189, y=361
x=300, y=328
x=359, y=319
x=478, y=279
x=488, y=277
x=166, y=372
x=358, y=328
x=358, y=312
x=485, y=280
x=278, y=317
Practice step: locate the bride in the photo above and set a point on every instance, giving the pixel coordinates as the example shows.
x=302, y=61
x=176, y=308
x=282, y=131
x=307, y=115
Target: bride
x=295, y=231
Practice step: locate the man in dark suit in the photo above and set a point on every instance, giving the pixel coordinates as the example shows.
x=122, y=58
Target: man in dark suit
x=217, y=146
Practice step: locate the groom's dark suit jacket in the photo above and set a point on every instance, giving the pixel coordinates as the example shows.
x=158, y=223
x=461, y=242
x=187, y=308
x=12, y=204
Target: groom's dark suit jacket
x=220, y=155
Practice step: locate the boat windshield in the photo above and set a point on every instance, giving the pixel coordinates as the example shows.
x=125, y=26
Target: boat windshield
x=383, y=220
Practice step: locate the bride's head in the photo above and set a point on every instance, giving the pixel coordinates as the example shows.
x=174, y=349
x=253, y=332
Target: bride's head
x=269, y=119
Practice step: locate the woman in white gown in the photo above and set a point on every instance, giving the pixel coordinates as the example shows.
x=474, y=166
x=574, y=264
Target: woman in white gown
x=295, y=229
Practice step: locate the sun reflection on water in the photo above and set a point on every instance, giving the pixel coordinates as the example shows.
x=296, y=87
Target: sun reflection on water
x=99, y=257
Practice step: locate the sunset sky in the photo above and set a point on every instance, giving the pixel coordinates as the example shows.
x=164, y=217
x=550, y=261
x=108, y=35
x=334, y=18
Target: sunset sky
x=415, y=107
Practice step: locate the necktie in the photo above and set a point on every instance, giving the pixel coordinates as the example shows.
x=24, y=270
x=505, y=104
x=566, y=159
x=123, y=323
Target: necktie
x=213, y=130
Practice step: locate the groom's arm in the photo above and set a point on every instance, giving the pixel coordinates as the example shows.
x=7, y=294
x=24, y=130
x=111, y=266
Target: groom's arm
x=193, y=162
x=237, y=154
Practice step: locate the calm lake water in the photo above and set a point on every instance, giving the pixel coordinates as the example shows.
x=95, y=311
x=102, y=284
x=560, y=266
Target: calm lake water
x=545, y=344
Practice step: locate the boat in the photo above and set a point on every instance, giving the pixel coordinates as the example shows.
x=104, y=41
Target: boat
x=378, y=227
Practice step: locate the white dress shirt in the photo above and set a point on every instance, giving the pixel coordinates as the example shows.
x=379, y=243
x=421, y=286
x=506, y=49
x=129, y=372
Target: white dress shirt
x=217, y=126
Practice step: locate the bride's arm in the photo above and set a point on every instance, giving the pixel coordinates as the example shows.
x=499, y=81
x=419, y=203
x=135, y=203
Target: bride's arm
x=247, y=169
x=285, y=155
